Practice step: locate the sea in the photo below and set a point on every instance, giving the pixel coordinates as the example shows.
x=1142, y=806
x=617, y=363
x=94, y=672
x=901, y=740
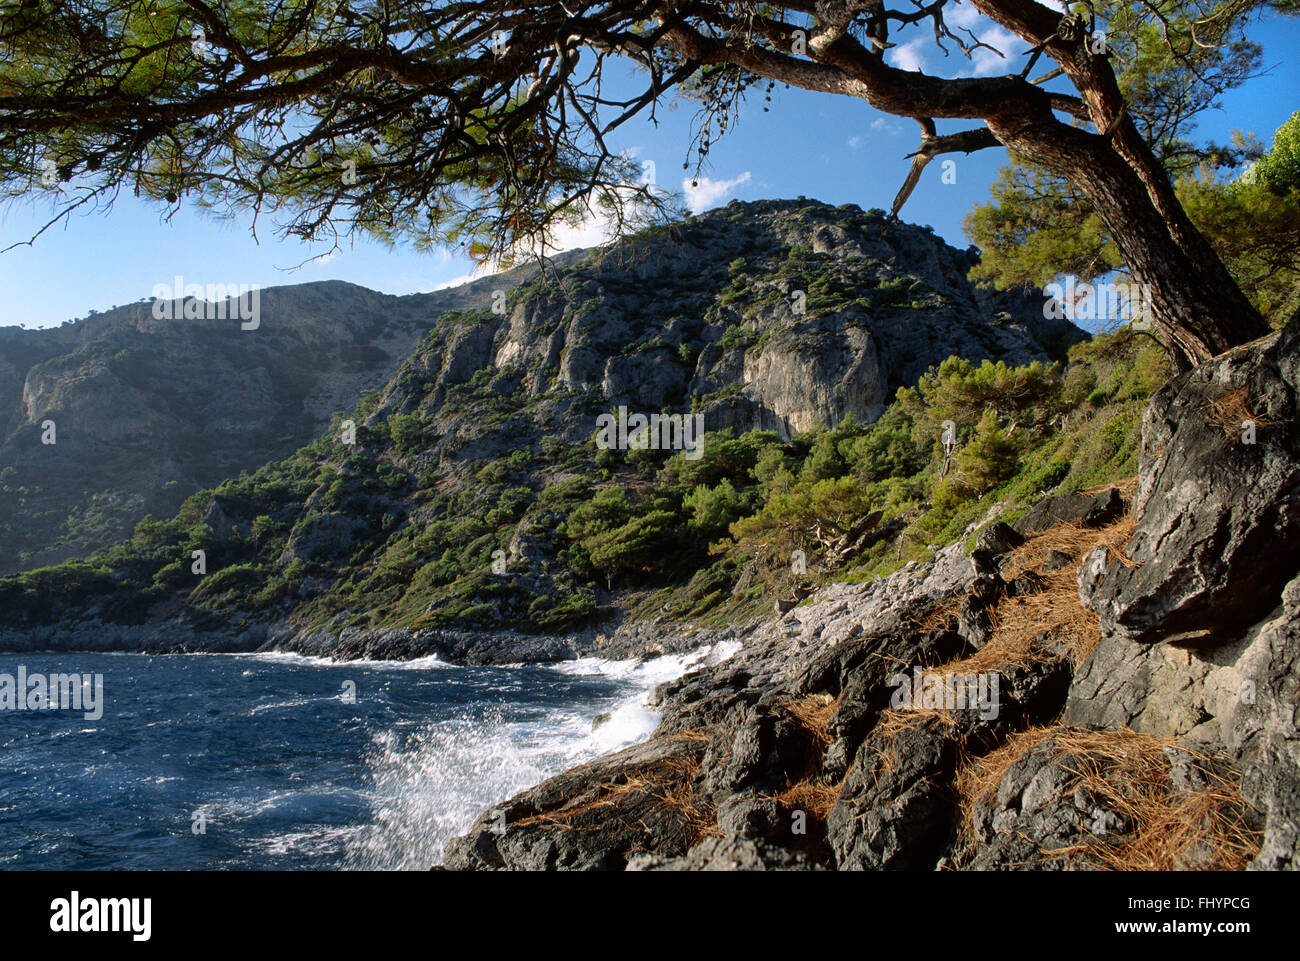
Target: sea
x=280, y=761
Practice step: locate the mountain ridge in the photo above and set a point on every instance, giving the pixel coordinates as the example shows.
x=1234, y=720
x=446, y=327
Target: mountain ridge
x=148, y=411
x=770, y=320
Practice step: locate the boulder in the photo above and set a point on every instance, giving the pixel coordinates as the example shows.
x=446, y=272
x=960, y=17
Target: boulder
x=1092, y=509
x=998, y=538
x=1238, y=699
x=1218, y=532
x=897, y=809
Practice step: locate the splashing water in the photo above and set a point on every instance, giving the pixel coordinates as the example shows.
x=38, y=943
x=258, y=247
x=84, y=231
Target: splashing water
x=258, y=761
x=433, y=783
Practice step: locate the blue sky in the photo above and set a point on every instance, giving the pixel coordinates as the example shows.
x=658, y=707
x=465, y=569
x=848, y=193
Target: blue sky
x=833, y=149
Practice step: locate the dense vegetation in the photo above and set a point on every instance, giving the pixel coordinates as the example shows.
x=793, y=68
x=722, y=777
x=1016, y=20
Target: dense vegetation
x=408, y=528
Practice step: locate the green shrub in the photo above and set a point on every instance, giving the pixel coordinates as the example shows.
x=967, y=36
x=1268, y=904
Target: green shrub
x=713, y=509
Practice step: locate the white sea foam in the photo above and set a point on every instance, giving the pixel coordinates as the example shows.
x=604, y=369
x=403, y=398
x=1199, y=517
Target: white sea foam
x=650, y=671
x=627, y=724
x=430, y=785
x=319, y=842
x=293, y=704
x=288, y=657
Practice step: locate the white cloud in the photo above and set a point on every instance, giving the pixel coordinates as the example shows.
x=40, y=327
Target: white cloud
x=462, y=279
x=908, y=56
x=592, y=230
x=706, y=191
x=963, y=15
x=881, y=125
x=960, y=18
x=985, y=63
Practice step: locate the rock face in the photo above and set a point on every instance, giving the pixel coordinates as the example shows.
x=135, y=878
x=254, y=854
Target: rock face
x=1170, y=739
x=1201, y=642
x=1092, y=509
x=772, y=314
x=148, y=411
x=1218, y=498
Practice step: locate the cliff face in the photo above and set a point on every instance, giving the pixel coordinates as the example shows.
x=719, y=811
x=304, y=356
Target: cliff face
x=775, y=314
x=148, y=411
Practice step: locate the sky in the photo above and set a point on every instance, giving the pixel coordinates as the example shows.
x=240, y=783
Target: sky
x=834, y=149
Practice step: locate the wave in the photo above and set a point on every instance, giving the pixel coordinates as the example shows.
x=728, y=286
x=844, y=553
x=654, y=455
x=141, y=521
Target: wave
x=651, y=671
x=430, y=785
x=313, y=660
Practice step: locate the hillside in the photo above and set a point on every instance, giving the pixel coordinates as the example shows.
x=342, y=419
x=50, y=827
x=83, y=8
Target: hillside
x=149, y=411
x=483, y=442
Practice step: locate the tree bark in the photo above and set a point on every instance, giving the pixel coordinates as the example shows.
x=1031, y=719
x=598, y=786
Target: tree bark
x=1191, y=298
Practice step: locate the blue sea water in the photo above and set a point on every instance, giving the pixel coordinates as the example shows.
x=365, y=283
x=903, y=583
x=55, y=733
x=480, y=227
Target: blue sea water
x=277, y=761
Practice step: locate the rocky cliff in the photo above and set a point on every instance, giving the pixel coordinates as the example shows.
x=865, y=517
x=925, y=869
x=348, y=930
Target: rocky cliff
x=1110, y=682
x=772, y=314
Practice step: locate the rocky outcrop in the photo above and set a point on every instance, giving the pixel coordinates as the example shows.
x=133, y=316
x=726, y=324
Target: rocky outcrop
x=1218, y=500
x=793, y=753
x=1164, y=734
x=742, y=326
x=614, y=639
x=1092, y=509
x=1201, y=618
x=1200, y=638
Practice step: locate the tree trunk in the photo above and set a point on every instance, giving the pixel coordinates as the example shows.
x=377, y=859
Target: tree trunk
x=1192, y=299
x=1190, y=296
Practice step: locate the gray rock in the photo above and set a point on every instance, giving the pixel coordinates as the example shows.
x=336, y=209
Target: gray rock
x=1219, y=528
x=1092, y=510
x=998, y=538
x=1034, y=811
x=1237, y=699
x=897, y=810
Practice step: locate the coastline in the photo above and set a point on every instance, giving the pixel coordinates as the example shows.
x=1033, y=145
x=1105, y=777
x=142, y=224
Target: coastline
x=617, y=640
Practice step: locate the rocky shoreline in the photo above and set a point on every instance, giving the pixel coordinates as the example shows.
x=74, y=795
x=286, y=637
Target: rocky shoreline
x=613, y=640
x=1138, y=649
x=1125, y=740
